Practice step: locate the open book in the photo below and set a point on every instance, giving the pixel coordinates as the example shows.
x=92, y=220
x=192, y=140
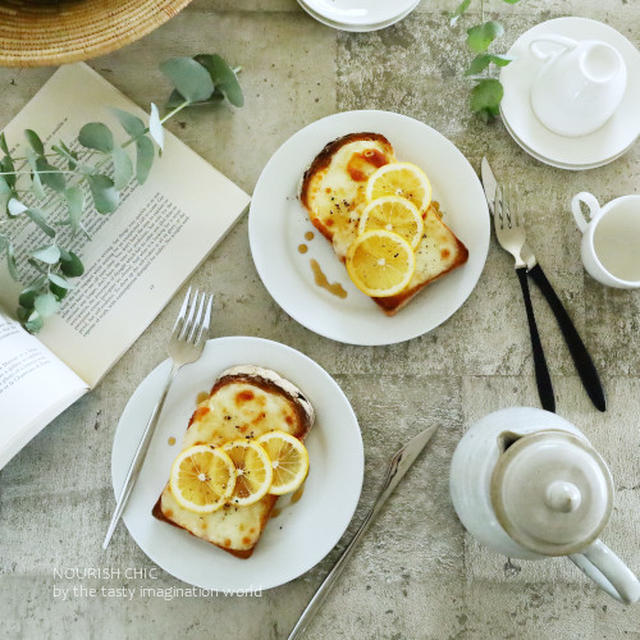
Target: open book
x=135, y=261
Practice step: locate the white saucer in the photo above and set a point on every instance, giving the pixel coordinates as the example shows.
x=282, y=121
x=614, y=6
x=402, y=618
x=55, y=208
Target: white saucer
x=278, y=222
x=304, y=532
x=559, y=165
x=355, y=18
x=599, y=148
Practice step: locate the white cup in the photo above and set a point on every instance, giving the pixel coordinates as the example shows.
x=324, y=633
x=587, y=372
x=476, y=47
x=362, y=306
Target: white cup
x=610, y=239
x=580, y=85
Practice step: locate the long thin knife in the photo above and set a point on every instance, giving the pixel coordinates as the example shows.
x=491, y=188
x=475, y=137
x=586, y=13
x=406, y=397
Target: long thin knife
x=398, y=466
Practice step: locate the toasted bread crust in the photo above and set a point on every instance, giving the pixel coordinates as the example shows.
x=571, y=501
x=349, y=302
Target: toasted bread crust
x=270, y=382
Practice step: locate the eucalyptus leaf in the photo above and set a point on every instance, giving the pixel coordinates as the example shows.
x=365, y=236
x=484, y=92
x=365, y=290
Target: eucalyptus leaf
x=223, y=77
x=6, y=166
x=38, y=217
x=34, y=322
x=34, y=141
x=75, y=205
x=36, y=183
x=3, y=144
x=511, y=1
x=189, y=77
x=48, y=255
x=155, y=126
x=28, y=296
x=15, y=207
x=72, y=156
x=5, y=194
x=130, y=123
x=46, y=304
x=144, y=158
x=59, y=281
x=11, y=262
x=460, y=9
x=70, y=264
x=53, y=178
x=105, y=196
x=122, y=167
x=96, y=135
x=483, y=60
x=481, y=36
x=486, y=97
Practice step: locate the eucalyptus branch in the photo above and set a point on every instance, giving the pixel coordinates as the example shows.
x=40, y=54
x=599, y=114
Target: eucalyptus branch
x=488, y=91
x=202, y=80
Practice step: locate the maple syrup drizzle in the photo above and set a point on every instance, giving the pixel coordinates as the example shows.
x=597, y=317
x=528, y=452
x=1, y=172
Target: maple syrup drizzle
x=321, y=280
x=302, y=248
x=309, y=236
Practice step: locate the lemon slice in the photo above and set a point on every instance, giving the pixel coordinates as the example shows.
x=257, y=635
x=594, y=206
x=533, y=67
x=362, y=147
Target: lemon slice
x=396, y=214
x=289, y=461
x=253, y=471
x=400, y=179
x=380, y=263
x=202, y=478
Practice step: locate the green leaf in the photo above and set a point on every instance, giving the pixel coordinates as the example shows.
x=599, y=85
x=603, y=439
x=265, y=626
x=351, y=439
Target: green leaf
x=38, y=217
x=15, y=207
x=70, y=264
x=481, y=36
x=482, y=61
x=36, y=183
x=122, y=167
x=511, y=1
x=71, y=156
x=460, y=9
x=54, y=180
x=59, y=285
x=190, y=78
x=28, y=296
x=486, y=97
x=11, y=262
x=96, y=135
x=34, y=322
x=46, y=304
x=223, y=77
x=130, y=123
x=6, y=166
x=144, y=158
x=34, y=141
x=48, y=255
x=3, y=144
x=155, y=126
x=75, y=204
x=105, y=196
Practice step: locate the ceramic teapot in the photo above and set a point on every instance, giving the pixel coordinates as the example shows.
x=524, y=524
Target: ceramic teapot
x=528, y=484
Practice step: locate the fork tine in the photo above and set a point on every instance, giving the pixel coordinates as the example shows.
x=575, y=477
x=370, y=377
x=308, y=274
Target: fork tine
x=186, y=327
x=182, y=313
x=197, y=323
x=204, y=329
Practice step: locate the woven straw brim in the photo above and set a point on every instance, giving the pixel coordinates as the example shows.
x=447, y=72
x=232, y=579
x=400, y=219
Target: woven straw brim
x=53, y=32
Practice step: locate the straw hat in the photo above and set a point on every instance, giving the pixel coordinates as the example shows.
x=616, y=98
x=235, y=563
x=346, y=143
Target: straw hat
x=53, y=32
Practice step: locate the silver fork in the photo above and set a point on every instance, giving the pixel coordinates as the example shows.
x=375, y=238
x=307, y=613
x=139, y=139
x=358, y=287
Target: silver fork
x=186, y=344
x=512, y=237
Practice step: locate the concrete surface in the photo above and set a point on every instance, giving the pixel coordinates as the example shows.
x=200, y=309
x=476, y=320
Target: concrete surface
x=417, y=574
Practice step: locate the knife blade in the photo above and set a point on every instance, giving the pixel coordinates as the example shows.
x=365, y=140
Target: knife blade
x=399, y=464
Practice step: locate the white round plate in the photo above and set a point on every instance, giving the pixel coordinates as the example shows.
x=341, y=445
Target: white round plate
x=359, y=12
x=278, y=222
x=602, y=146
x=358, y=27
x=559, y=165
x=304, y=532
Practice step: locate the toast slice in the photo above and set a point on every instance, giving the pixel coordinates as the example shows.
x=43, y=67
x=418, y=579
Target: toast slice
x=245, y=401
x=333, y=193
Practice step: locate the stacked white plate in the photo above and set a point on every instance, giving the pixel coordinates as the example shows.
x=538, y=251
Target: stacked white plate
x=358, y=15
x=601, y=147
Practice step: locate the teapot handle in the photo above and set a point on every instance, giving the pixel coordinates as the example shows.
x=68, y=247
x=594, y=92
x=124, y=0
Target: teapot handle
x=609, y=572
x=566, y=43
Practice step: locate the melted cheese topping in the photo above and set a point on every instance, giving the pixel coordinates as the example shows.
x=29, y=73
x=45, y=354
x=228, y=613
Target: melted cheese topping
x=336, y=194
x=236, y=410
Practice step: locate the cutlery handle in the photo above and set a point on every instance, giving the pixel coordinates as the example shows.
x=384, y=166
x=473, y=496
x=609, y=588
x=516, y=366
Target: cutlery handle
x=138, y=459
x=581, y=358
x=543, y=380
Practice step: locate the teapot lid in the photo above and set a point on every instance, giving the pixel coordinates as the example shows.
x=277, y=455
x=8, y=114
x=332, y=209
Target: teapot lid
x=552, y=492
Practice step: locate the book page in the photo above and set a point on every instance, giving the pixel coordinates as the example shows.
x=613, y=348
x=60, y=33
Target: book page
x=139, y=255
x=34, y=387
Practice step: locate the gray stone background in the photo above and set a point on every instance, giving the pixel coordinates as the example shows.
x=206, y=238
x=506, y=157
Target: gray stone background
x=417, y=575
